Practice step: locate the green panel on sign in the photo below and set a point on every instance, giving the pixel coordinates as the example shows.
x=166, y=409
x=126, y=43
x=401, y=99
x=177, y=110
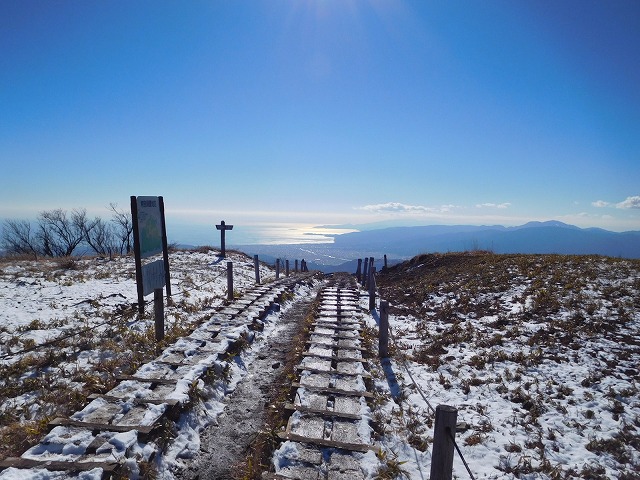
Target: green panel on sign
x=149, y=226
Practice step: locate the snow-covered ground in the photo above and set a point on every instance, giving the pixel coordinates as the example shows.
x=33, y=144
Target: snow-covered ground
x=67, y=328
x=540, y=355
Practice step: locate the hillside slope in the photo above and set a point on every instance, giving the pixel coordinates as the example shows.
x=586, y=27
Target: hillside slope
x=539, y=353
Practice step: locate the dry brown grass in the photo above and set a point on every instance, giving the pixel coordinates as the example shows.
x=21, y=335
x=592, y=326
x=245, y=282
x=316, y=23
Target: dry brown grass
x=510, y=314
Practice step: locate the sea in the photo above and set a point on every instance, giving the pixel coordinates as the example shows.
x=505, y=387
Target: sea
x=270, y=241
x=254, y=234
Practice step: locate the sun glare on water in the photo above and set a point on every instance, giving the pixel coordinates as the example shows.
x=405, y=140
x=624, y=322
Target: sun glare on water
x=273, y=234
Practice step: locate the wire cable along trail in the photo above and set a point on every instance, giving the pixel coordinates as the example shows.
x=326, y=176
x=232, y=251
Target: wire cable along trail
x=426, y=400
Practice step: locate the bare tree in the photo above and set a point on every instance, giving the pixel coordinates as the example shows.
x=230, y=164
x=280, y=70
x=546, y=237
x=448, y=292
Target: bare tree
x=18, y=238
x=101, y=237
x=59, y=234
x=123, y=228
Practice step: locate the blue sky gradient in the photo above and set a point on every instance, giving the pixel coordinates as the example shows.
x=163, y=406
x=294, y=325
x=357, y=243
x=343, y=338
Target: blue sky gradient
x=324, y=111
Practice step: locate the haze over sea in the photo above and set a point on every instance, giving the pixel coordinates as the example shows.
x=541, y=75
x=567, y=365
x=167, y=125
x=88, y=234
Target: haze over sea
x=252, y=234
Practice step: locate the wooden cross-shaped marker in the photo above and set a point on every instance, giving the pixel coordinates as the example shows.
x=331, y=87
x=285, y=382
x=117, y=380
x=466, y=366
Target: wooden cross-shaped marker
x=223, y=228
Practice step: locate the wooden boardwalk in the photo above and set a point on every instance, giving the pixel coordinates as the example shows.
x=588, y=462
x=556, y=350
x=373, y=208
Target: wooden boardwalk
x=101, y=435
x=329, y=424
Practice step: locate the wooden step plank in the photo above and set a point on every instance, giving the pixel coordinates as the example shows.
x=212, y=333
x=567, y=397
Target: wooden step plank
x=321, y=412
x=336, y=326
x=345, y=319
x=341, y=300
x=338, y=315
x=336, y=346
x=353, y=447
x=333, y=357
x=159, y=381
x=332, y=391
x=336, y=336
x=102, y=427
x=77, y=466
x=177, y=364
x=136, y=400
x=333, y=372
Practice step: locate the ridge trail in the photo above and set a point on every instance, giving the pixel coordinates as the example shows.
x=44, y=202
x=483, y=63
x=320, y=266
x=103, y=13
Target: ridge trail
x=224, y=445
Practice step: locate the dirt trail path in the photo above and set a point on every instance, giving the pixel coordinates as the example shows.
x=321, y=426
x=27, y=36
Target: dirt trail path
x=224, y=445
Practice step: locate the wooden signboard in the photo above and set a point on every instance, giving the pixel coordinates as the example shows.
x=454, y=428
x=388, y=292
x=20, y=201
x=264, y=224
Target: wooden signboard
x=149, y=238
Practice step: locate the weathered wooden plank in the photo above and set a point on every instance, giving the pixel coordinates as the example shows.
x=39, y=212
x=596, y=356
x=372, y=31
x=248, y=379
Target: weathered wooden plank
x=334, y=357
x=337, y=315
x=341, y=300
x=294, y=472
x=354, y=447
x=336, y=346
x=333, y=372
x=333, y=391
x=337, y=326
x=177, y=364
x=159, y=381
x=136, y=400
x=322, y=412
x=102, y=427
x=336, y=336
x=78, y=466
x=334, y=321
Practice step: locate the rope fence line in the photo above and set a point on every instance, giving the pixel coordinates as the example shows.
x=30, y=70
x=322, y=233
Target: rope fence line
x=464, y=461
x=424, y=397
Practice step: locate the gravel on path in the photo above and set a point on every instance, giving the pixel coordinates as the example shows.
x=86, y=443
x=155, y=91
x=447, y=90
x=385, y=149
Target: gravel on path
x=224, y=446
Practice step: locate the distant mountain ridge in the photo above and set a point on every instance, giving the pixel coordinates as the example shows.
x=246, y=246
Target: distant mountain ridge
x=532, y=237
x=400, y=243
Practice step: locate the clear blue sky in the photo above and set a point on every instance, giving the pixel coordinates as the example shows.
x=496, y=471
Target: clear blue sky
x=324, y=111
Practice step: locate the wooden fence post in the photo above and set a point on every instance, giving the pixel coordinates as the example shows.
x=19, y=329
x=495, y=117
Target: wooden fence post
x=442, y=455
x=365, y=272
x=383, y=337
x=277, y=268
x=359, y=270
x=230, y=281
x=256, y=263
x=286, y=267
x=385, y=261
x=158, y=313
x=372, y=288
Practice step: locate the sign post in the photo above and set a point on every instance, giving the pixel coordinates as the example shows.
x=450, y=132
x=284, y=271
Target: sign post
x=149, y=238
x=223, y=227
